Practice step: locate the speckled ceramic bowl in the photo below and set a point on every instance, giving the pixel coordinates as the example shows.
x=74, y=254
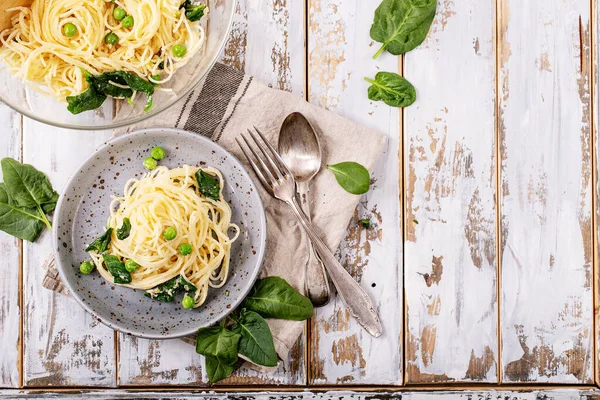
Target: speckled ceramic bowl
x=83, y=210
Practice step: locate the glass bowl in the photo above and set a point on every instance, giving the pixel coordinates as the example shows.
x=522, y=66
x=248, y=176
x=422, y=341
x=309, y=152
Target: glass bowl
x=19, y=96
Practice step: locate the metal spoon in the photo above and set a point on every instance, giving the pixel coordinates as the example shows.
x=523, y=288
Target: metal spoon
x=300, y=150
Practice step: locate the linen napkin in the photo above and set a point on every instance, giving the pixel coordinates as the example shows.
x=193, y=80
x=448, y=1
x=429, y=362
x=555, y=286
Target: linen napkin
x=225, y=105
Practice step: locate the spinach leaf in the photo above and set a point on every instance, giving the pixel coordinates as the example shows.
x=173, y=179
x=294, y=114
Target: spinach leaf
x=125, y=229
x=134, y=82
x=273, y=297
x=101, y=244
x=51, y=205
x=392, y=89
x=402, y=25
x=194, y=12
x=86, y=101
x=23, y=223
x=219, y=342
x=217, y=369
x=209, y=187
x=366, y=223
x=116, y=269
x=351, y=176
x=28, y=188
x=256, y=342
x=167, y=291
x=102, y=85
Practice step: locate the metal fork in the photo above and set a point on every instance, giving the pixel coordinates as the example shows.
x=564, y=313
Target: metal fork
x=279, y=182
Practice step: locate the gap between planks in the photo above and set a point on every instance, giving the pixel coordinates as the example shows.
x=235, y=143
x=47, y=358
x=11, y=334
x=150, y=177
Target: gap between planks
x=498, y=182
x=402, y=184
x=595, y=268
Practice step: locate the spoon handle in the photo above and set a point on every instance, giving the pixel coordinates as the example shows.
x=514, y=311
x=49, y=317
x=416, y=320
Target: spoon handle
x=357, y=301
x=317, y=282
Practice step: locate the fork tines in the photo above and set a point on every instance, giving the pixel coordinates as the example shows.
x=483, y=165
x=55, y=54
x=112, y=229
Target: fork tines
x=269, y=168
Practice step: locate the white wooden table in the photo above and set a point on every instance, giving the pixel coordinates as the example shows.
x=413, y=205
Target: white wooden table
x=483, y=259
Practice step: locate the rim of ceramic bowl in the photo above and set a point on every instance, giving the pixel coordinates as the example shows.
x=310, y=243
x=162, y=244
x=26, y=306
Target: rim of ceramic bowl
x=128, y=122
x=217, y=317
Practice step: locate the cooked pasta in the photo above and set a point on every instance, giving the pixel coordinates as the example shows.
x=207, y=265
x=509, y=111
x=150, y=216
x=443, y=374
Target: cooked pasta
x=166, y=199
x=55, y=44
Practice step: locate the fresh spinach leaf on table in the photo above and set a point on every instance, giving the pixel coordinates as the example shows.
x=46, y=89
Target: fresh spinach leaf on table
x=23, y=223
x=352, y=177
x=217, y=369
x=402, y=25
x=116, y=269
x=101, y=244
x=27, y=188
x=209, y=187
x=125, y=230
x=194, y=12
x=256, y=341
x=220, y=342
x=392, y=89
x=273, y=297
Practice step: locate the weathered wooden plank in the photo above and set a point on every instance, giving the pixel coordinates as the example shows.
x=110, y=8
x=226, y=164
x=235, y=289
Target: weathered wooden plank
x=267, y=41
x=596, y=120
x=63, y=344
x=450, y=216
x=545, y=148
x=562, y=394
x=340, y=52
x=10, y=266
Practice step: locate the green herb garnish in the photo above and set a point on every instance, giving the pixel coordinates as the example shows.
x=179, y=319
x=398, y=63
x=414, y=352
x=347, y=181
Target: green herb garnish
x=125, y=229
x=209, y=187
x=117, y=269
x=194, y=12
x=101, y=244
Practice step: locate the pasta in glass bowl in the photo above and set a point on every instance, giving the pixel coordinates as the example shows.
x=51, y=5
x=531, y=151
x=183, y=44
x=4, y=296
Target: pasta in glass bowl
x=73, y=64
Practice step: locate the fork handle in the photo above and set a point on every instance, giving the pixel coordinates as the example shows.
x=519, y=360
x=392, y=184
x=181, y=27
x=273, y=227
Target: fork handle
x=356, y=300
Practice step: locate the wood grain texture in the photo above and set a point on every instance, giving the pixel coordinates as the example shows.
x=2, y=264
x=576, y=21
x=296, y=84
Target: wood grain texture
x=545, y=143
x=10, y=256
x=63, y=344
x=340, y=52
x=450, y=232
x=562, y=394
x=596, y=210
x=267, y=41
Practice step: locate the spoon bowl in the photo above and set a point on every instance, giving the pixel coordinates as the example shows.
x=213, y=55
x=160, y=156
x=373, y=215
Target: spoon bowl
x=299, y=147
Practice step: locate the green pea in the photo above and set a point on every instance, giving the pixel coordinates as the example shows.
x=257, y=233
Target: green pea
x=150, y=163
x=185, y=249
x=86, y=267
x=127, y=22
x=158, y=153
x=131, y=265
x=170, y=233
x=111, y=39
x=157, y=78
x=119, y=13
x=69, y=30
x=188, y=302
x=179, y=50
